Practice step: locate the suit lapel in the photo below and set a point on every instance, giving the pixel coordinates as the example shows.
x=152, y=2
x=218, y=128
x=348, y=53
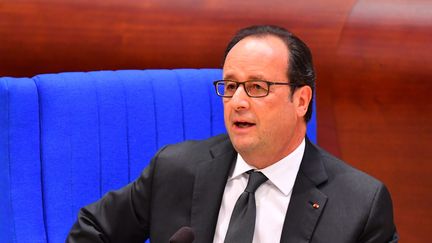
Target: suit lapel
x=209, y=186
x=307, y=201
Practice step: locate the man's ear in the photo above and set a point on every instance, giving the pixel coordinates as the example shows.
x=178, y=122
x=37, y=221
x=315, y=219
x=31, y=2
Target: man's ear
x=302, y=96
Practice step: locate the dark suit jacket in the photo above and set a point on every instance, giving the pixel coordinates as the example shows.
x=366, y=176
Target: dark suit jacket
x=184, y=184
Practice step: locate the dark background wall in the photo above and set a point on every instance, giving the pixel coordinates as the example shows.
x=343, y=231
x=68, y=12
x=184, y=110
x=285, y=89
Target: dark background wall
x=373, y=58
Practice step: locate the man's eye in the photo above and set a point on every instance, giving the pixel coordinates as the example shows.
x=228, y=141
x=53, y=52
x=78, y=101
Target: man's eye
x=258, y=86
x=231, y=86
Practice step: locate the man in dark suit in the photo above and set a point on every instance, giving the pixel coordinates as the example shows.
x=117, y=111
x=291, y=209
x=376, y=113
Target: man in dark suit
x=295, y=191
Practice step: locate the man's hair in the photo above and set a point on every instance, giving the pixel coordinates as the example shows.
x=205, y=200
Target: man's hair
x=300, y=70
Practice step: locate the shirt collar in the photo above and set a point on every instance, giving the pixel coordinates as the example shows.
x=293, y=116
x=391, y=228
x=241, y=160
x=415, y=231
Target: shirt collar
x=282, y=174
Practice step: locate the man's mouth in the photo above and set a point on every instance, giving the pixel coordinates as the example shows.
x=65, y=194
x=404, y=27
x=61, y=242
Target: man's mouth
x=243, y=124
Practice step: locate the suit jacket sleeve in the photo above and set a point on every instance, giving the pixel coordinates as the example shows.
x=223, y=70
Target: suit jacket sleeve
x=379, y=226
x=120, y=216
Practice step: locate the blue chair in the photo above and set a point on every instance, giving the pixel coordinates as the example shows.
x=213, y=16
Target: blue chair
x=66, y=139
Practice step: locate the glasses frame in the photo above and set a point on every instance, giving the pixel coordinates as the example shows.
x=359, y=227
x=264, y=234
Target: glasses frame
x=269, y=83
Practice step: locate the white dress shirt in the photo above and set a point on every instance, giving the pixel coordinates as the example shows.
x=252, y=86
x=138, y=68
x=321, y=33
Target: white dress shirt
x=272, y=197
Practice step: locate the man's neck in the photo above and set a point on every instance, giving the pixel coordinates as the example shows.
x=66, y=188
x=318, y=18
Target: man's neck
x=263, y=159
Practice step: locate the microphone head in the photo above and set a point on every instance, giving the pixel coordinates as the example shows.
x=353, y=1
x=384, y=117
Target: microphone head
x=183, y=235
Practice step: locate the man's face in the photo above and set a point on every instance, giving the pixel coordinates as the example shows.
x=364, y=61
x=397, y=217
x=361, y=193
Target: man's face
x=270, y=127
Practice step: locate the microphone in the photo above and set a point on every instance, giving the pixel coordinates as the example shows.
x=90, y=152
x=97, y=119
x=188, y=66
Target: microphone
x=183, y=235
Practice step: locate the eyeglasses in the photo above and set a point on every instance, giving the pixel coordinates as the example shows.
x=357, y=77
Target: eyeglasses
x=253, y=88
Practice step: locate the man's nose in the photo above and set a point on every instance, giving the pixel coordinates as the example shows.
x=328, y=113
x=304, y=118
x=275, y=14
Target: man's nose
x=240, y=99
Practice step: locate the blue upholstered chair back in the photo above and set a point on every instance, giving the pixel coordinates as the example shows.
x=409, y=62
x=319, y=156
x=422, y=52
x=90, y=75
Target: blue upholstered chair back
x=66, y=139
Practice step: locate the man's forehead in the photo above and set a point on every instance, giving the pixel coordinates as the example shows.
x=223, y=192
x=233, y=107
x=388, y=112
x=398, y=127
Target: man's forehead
x=254, y=76
x=256, y=56
x=259, y=45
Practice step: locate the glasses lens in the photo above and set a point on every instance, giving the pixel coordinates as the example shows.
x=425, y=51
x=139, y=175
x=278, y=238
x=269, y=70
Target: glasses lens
x=220, y=88
x=226, y=88
x=257, y=88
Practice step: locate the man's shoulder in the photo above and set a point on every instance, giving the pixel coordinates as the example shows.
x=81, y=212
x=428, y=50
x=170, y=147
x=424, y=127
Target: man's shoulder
x=195, y=149
x=343, y=175
x=356, y=202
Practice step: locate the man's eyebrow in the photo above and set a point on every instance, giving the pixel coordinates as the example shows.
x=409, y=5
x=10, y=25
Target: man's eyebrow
x=229, y=77
x=257, y=77
x=252, y=77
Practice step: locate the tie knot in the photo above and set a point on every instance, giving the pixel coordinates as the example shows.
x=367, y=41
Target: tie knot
x=256, y=178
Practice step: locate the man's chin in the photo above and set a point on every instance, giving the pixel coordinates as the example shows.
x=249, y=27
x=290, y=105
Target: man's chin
x=243, y=145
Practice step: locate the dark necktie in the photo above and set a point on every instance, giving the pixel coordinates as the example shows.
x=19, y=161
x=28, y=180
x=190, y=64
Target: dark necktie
x=242, y=224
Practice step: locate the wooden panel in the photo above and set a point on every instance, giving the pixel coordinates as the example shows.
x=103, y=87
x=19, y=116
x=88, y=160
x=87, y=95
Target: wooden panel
x=382, y=103
x=53, y=36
